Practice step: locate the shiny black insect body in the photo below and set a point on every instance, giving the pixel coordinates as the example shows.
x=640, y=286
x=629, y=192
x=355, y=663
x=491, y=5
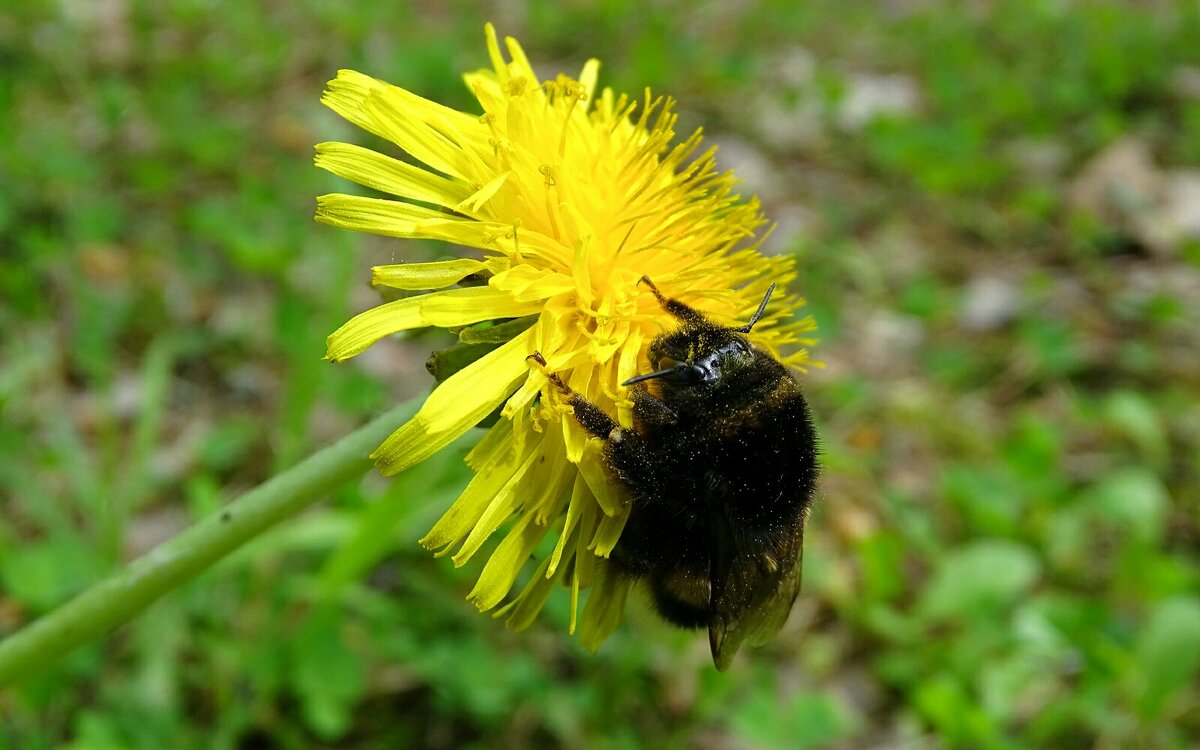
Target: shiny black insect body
x=720, y=467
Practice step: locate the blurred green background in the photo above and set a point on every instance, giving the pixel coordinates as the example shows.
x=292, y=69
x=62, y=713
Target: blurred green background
x=996, y=210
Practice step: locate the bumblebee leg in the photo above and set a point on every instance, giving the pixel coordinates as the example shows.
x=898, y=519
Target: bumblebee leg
x=590, y=417
x=634, y=462
x=650, y=410
x=554, y=378
x=626, y=450
x=674, y=306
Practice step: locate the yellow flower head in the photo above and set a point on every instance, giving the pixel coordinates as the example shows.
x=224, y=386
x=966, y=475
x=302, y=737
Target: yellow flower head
x=572, y=197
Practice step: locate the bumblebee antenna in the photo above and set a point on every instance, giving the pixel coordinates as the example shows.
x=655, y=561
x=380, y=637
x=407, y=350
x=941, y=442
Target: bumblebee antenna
x=674, y=306
x=680, y=372
x=650, y=375
x=762, y=308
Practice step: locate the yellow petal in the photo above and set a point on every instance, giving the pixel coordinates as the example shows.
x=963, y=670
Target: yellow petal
x=401, y=118
x=574, y=598
x=398, y=219
x=473, y=203
x=508, y=498
x=453, y=307
x=583, y=565
x=494, y=54
x=588, y=77
x=498, y=576
x=495, y=442
x=347, y=94
x=530, y=283
x=381, y=216
x=418, y=125
x=455, y=406
x=609, y=337
x=558, y=336
x=605, y=607
x=581, y=275
x=373, y=169
x=490, y=477
x=487, y=88
x=529, y=390
x=609, y=493
x=575, y=438
x=581, y=501
x=556, y=477
x=519, y=123
x=516, y=409
x=520, y=63
x=418, y=276
x=609, y=531
x=627, y=367
x=523, y=610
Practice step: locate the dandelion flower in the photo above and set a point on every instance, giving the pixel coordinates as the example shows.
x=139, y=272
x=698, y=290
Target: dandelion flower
x=570, y=195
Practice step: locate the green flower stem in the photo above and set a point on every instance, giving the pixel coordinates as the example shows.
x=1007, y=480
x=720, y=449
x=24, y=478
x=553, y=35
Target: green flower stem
x=120, y=597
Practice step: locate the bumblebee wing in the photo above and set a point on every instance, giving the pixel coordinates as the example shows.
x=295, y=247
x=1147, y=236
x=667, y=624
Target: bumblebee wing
x=766, y=618
x=752, y=594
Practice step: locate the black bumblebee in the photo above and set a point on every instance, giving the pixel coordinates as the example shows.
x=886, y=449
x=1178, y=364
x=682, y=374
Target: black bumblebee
x=720, y=467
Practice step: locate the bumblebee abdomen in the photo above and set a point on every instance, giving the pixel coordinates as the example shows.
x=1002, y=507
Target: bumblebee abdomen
x=683, y=595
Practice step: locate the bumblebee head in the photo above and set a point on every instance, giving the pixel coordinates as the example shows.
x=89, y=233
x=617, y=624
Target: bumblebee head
x=703, y=353
x=695, y=357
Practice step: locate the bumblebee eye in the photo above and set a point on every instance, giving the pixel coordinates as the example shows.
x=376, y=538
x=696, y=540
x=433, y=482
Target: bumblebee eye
x=673, y=370
x=687, y=374
x=680, y=372
x=737, y=349
x=654, y=354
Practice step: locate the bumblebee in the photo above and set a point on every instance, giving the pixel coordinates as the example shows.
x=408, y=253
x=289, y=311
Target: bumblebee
x=720, y=468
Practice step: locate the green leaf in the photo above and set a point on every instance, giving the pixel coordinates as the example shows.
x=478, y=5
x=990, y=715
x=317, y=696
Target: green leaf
x=329, y=678
x=1134, y=498
x=979, y=579
x=991, y=501
x=809, y=720
x=96, y=731
x=881, y=556
x=946, y=704
x=1134, y=416
x=43, y=574
x=1167, y=654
